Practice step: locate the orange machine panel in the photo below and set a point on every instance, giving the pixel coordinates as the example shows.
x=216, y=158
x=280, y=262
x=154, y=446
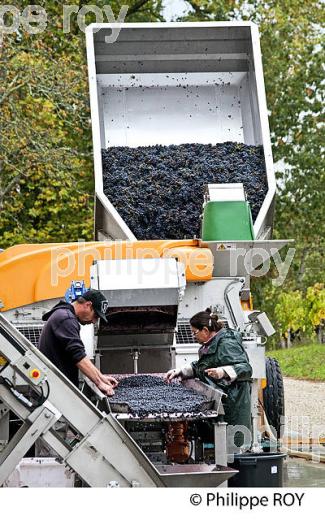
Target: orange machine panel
x=31, y=273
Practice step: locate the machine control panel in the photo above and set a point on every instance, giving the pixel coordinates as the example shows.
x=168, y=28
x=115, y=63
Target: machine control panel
x=35, y=372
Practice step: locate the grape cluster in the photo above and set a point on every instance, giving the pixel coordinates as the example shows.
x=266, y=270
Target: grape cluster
x=147, y=394
x=158, y=190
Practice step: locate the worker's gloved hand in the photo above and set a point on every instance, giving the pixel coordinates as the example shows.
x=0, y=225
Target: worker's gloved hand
x=216, y=373
x=173, y=374
x=109, y=380
x=107, y=389
x=185, y=372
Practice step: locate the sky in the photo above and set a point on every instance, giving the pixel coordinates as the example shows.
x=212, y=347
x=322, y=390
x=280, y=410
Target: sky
x=174, y=8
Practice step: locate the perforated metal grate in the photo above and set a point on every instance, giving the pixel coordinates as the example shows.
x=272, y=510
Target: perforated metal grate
x=184, y=334
x=31, y=333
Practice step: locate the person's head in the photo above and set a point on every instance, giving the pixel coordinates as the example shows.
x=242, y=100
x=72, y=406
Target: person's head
x=90, y=306
x=204, y=325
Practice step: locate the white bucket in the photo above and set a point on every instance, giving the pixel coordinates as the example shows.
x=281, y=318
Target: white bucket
x=40, y=472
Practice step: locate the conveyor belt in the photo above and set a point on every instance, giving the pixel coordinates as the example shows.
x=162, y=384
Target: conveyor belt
x=103, y=453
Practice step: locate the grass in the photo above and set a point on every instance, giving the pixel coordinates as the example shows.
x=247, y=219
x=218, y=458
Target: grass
x=303, y=362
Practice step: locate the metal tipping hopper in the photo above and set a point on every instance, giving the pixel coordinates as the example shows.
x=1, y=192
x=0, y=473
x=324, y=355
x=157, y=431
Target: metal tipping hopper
x=135, y=100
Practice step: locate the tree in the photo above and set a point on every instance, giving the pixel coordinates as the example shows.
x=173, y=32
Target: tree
x=316, y=314
x=290, y=313
x=45, y=154
x=46, y=167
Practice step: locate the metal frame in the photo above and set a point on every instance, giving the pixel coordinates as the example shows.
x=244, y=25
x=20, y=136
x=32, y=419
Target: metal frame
x=4, y=425
x=147, y=52
x=104, y=453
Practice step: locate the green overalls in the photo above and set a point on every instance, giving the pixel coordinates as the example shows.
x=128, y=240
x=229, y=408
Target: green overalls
x=226, y=349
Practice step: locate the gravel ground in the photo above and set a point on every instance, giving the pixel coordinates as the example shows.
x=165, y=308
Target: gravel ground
x=302, y=473
x=304, y=404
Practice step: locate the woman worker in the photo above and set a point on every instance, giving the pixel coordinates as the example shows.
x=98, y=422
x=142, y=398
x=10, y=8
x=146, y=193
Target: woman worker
x=222, y=363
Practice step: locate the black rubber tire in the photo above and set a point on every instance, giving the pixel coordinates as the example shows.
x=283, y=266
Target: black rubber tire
x=273, y=394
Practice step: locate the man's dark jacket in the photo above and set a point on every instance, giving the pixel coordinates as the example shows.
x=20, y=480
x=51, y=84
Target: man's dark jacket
x=60, y=340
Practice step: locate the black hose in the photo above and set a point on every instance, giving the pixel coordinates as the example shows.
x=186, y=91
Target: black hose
x=21, y=398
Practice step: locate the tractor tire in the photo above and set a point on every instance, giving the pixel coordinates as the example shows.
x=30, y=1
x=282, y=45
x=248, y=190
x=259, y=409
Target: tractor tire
x=273, y=394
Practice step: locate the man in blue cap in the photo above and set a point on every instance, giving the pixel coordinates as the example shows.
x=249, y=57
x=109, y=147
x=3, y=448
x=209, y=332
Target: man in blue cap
x=60, y=338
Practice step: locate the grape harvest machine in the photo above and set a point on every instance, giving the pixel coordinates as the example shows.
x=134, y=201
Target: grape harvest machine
x=153, y=287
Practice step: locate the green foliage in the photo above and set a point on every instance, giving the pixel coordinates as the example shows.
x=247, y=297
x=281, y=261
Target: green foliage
x=45, y=148
x=46, y=167
x=290, y=312
x=316, y=301
x=305, y=362
x=294, y=311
